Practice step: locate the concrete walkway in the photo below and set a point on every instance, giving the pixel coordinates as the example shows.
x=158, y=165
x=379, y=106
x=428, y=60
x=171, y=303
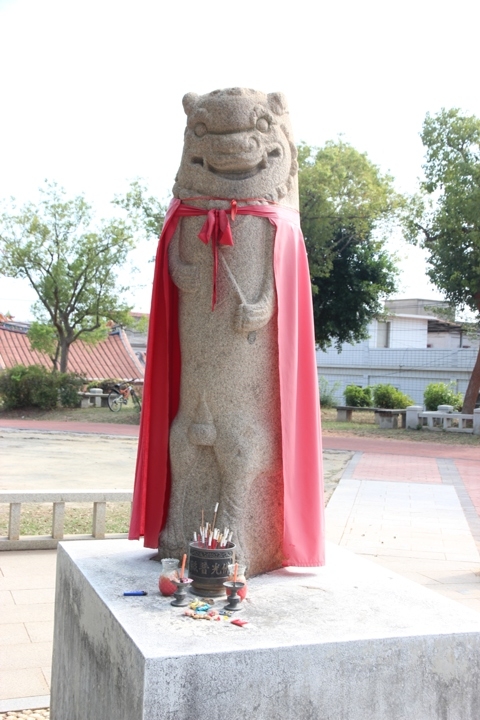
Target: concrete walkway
x=412, y=507
x=416, y=516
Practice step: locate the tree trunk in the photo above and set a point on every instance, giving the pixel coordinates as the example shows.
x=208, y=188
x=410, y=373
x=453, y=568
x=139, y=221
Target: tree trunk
x=55, y=357
x=474, y=383
x=64, y=350
x=473, y=388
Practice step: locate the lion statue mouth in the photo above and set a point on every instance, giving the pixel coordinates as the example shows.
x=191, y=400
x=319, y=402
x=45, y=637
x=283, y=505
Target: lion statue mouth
x=238, y=174
x=237, y=168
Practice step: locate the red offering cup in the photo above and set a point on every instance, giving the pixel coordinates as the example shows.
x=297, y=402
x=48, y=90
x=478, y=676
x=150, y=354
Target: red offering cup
x=169, y=574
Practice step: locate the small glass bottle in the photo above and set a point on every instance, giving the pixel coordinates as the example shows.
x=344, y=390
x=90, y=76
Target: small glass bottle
x=241, y=569
x=168, y=574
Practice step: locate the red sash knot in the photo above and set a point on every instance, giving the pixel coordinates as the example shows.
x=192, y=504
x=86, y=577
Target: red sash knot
x=217, y=229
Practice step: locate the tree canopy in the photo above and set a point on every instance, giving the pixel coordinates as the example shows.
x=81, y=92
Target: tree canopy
x=444, y=218
x=73, y=266
x=347, y=207
x=145, y=212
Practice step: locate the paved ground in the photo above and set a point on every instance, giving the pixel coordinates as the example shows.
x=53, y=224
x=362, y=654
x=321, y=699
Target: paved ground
x=32, y=460
x=412, y=507
x=422, y=525
x=67, y=461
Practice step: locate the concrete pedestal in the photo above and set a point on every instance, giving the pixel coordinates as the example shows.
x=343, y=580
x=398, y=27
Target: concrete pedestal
x=350, y=641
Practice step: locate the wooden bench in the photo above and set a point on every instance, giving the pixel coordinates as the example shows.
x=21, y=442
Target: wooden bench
x=386, y=419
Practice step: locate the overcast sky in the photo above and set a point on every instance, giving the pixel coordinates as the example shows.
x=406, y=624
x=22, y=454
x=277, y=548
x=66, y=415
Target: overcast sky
x=91, y=90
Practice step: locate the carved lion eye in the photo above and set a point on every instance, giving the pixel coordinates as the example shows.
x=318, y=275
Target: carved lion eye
x=200, y=129
x=262, y=124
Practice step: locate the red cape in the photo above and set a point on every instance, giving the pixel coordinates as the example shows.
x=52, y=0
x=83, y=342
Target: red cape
x=304, y=542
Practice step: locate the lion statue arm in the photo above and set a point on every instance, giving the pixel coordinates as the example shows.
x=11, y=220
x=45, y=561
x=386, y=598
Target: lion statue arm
x=250, y=317
x=184, y=275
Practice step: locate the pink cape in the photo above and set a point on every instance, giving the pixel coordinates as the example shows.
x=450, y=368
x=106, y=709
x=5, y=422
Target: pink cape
x=303, y=542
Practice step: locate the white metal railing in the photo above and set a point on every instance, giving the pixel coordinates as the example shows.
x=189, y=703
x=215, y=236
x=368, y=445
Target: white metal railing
x=443, y=420
x=98, y=498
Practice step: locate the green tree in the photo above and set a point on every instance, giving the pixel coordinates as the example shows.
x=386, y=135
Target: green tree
x=44, y=338
x=145, y=211
x=347, y=207
x=72, y=265
x=444, y=218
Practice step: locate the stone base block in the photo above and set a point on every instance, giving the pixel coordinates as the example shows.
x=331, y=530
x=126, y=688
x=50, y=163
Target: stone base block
x=350, y=641
x=387, y=421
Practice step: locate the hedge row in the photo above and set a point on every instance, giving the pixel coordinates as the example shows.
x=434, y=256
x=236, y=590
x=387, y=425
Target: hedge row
x=387, y=396
x=35, y=386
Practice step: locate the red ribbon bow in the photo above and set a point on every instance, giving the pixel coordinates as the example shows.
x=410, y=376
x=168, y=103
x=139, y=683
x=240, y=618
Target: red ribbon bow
x=217, y=229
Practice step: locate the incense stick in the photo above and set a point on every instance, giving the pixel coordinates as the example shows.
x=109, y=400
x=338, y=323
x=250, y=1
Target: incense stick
x=209, y=536
x=215, y=516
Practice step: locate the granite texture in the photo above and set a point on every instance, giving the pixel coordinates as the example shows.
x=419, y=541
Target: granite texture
x=348, y=640
x=225, y=443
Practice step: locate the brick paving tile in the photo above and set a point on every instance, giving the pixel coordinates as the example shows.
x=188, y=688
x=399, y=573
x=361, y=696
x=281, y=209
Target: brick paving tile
x=397, y=468
x=33, y=597
x=24, y=656
x=469, y=471
x=13, y=634
x=38, y=714
x=26, y=613
x=41, y=631
x=6, y=598
x=18, y=683
x=400, y=447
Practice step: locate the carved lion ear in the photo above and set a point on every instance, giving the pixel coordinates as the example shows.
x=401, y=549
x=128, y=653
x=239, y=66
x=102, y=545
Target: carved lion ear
x=189, y=101
x=277, y=103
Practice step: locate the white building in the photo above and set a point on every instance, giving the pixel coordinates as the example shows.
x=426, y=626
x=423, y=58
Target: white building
x=408, y=348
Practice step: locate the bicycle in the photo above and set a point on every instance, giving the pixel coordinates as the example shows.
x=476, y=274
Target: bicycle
x=119, y=396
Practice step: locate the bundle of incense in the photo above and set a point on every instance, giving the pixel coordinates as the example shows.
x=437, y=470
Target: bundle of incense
x=210, y=536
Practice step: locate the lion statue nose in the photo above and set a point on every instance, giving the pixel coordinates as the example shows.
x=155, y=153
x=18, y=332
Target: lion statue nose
x=236, y=144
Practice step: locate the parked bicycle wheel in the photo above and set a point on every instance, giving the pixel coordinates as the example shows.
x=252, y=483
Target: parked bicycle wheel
x=115, y=401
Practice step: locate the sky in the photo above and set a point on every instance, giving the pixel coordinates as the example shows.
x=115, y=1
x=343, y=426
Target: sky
x=91, y=91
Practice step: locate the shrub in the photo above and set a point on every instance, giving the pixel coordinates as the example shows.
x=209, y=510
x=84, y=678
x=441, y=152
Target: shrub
x=388, y=397
x=35, y=386
x=328, y=393
x=44, y=392
x=358, y=397
x=13, y=391
x=442, y=394
x=30, y=386
x=68, y=386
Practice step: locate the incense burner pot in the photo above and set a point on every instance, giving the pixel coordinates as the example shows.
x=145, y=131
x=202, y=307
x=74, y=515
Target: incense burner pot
x=209, y=569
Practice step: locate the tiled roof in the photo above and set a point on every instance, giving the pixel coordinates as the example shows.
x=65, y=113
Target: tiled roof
x=111, y=358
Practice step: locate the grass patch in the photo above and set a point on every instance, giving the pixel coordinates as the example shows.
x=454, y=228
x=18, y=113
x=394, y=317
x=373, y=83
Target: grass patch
x=36, y=518
x=128, y=415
